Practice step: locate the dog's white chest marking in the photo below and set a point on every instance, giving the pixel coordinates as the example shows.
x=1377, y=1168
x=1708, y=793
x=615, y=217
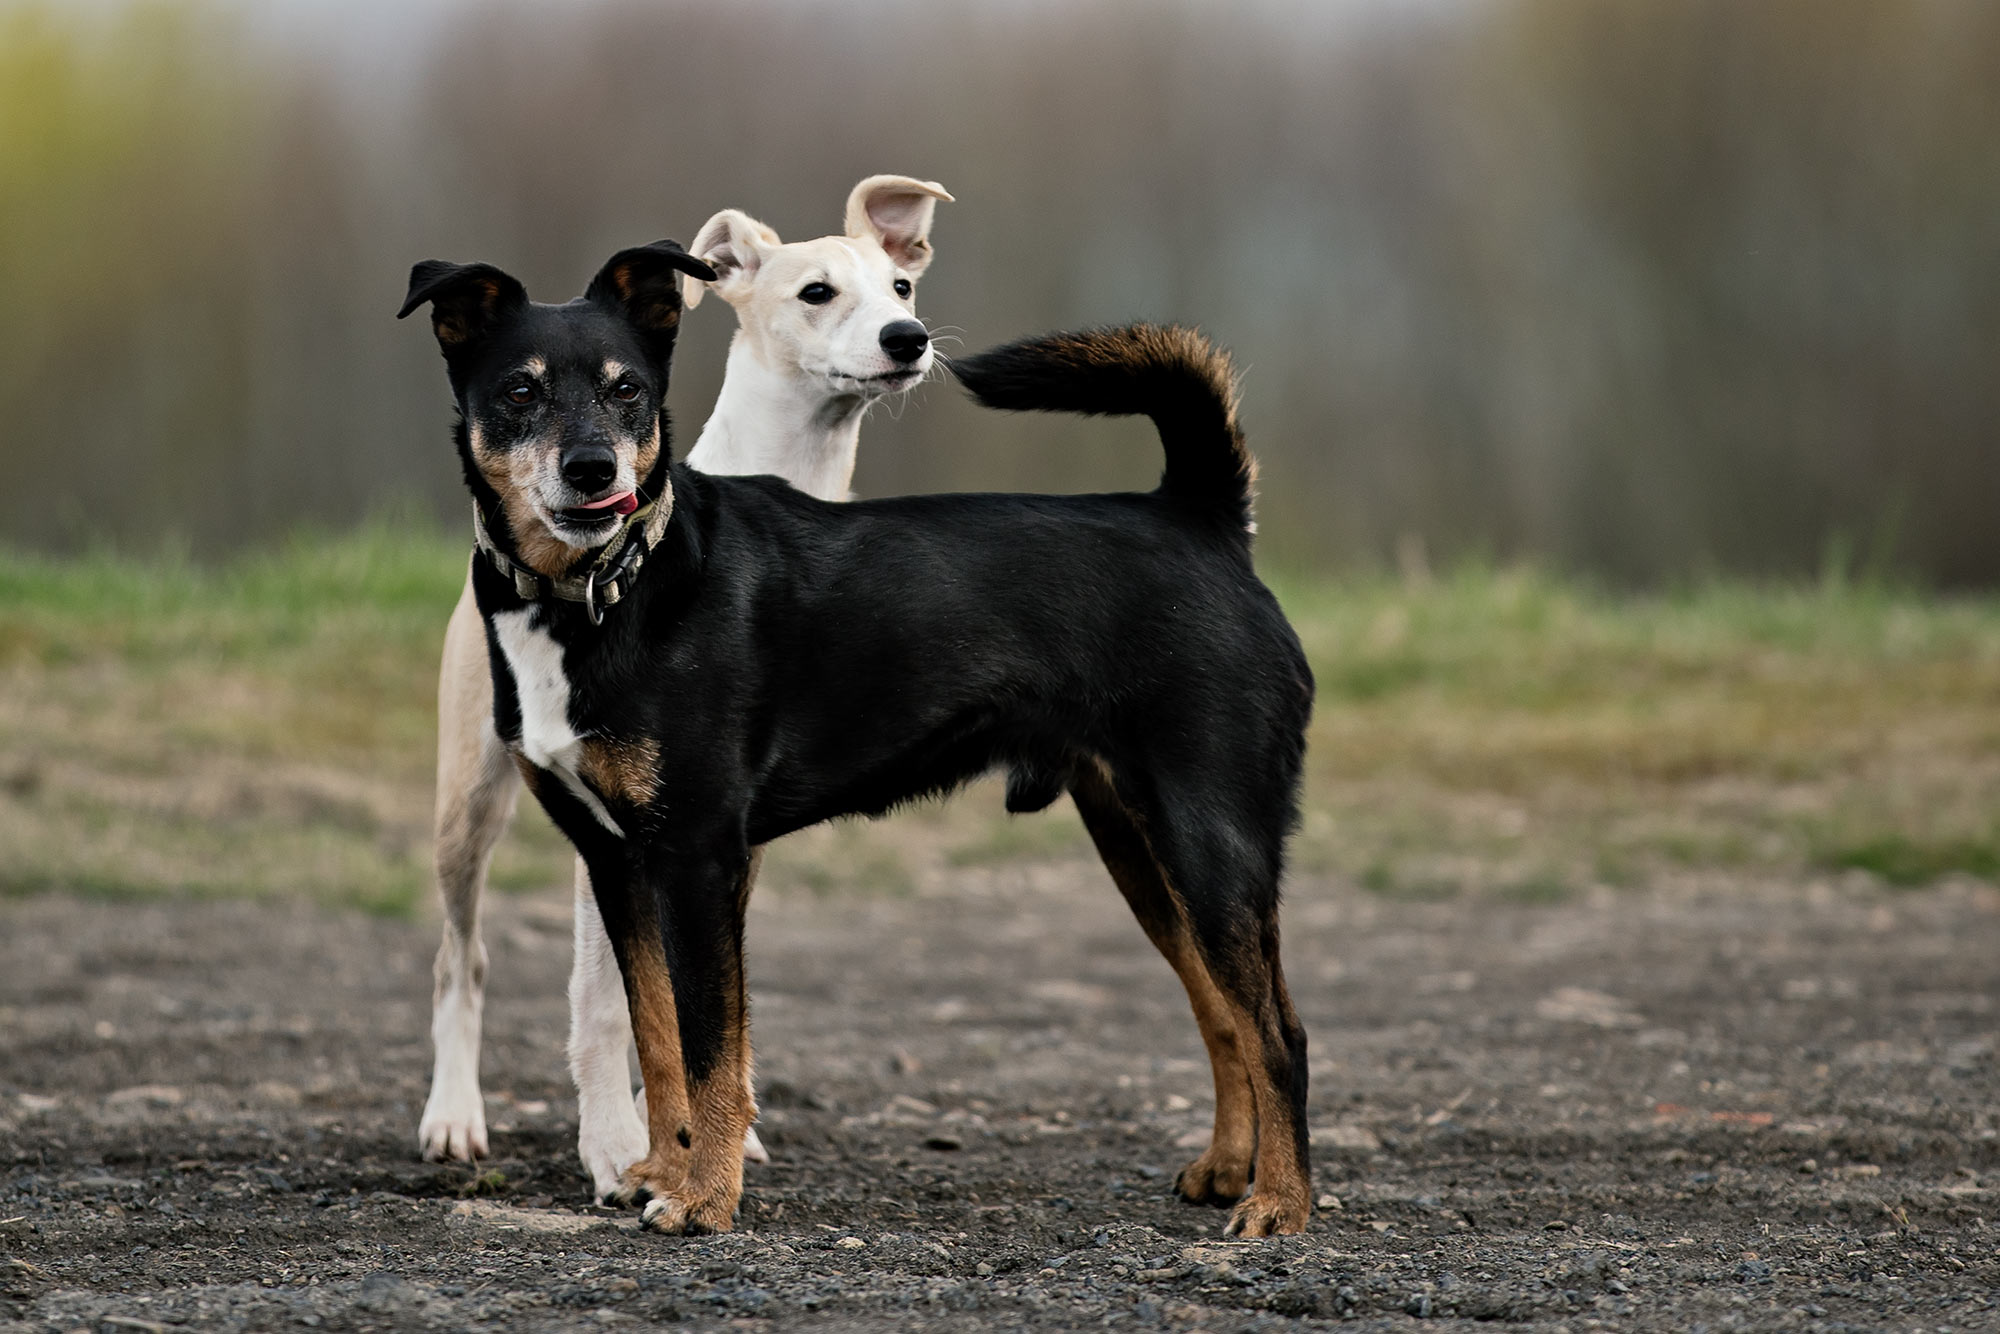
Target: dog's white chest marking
x=547, y=740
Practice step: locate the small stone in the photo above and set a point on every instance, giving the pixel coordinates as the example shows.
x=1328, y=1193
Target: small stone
x=1331, y=1202
x=1808, y=1167
x=905, y=1064
x=849, y=1244
x=278, y=1094
x=943, y=1142
x=382, y=1291
x=983, y=1269
x=1352, y=1138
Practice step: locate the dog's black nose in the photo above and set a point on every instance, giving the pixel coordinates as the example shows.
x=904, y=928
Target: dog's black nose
x=590, y=468
x=905, y=340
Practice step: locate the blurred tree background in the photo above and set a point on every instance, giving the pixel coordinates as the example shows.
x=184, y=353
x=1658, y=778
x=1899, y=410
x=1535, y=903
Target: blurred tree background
x=1646, y=290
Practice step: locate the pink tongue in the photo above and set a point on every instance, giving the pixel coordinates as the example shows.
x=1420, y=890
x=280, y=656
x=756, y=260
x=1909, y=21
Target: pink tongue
x=623, y=503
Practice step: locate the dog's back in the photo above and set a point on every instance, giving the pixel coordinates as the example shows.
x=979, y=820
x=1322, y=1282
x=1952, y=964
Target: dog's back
x=899, y=646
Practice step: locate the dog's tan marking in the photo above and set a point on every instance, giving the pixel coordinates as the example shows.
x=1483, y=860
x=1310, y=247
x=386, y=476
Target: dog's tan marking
x=511, y=474
x=531, y=777
x=1282, y=1200
x=1222, y=1172
x=656, y=1029
x=515, y=474
x=660, y=313
x=626, y=771
x=643, y=460
x=451, y=326
x=1253, y=1117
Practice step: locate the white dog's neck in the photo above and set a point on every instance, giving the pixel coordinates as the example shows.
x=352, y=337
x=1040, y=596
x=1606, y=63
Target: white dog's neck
x=771, y=421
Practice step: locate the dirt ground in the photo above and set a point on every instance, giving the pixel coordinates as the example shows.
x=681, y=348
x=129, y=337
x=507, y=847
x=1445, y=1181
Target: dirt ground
x=1719, y=1105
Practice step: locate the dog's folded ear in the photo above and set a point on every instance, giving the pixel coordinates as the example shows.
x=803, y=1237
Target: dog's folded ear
x=643, y=284
x=466, y=299
x=896, y=211
x=734, y=244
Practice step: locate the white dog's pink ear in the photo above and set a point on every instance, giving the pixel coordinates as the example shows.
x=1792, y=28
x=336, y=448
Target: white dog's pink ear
x=733, y=244
x=896, y=211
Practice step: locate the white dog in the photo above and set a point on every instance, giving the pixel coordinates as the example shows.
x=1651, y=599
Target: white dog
x=826, y=328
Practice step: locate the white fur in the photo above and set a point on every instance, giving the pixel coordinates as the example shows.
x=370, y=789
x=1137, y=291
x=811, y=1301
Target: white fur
x=610, y=1134
x=547, y=740
x=773, y=420
x=454, y=1123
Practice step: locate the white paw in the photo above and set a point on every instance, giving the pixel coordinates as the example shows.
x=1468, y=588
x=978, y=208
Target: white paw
x=454, y=1126
x=609, y=1142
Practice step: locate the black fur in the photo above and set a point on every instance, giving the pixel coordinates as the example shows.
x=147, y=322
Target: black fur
x=794, y=661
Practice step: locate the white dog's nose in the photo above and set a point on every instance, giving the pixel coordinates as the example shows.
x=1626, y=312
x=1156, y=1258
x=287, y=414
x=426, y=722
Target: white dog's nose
x=905, y=340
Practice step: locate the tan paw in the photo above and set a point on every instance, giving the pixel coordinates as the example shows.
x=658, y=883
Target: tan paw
x=697, y=1217
x=1264, y=1215
x=1214, y=1178
x=650, y=1179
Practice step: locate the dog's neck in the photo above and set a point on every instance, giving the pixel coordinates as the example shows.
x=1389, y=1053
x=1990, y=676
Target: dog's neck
x=771, y=421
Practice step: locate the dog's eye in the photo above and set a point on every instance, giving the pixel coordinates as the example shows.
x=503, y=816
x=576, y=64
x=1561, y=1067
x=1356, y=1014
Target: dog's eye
x=520, y=395
x=625, y=391
x=903, y=288
x=815, y=294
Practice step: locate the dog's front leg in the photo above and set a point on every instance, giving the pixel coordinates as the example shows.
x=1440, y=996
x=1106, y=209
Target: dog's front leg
x=611, y=1135
x=638, y=938
x=701, y=903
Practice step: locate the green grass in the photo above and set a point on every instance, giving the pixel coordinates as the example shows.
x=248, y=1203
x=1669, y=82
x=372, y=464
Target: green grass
x=266, y=727
x=1511, y=731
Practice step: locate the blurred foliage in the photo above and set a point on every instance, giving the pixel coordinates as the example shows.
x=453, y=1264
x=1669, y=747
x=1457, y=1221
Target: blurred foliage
x=266, y=726
x=1649, y=290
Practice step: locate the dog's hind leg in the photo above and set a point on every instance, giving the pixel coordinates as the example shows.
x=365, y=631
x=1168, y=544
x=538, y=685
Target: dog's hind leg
x=610, y=1135
x=1213, y=913
x=476, y=788
x=1224, y=869
x=1222, y=1173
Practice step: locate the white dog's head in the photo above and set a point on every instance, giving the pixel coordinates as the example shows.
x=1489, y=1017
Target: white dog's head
x=840, y=310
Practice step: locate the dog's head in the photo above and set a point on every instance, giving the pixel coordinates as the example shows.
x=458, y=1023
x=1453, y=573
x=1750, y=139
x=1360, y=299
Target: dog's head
x=839, y=311
x=561, y=408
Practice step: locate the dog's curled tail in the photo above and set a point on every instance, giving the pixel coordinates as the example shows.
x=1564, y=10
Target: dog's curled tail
x=1171, y=374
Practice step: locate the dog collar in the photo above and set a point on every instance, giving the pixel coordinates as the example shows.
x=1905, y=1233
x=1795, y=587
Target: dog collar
x=609, y=578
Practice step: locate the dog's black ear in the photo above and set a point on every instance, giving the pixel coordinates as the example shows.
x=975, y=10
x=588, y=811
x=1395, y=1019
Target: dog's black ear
x=467, y=300
x=641, y=284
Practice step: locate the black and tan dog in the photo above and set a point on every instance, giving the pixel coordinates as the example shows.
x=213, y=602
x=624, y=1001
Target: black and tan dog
x=732, y=660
